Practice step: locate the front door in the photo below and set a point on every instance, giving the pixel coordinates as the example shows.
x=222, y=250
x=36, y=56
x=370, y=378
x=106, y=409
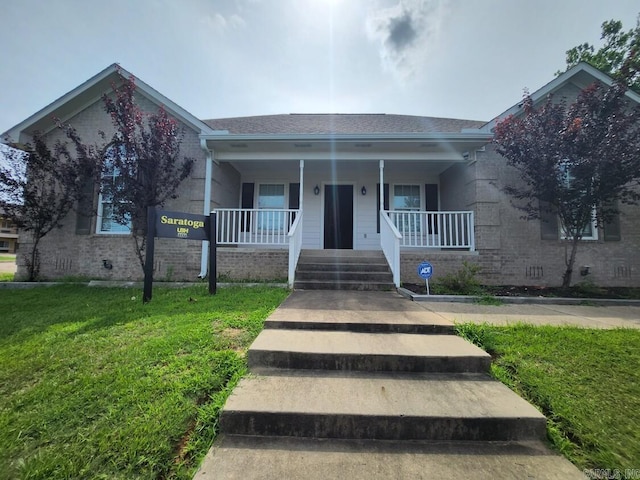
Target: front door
x=338, y=216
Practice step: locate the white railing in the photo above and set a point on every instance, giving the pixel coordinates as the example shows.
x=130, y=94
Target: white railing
x=295, y=247
x=435, y=229
x=250, y=226
x=390, y=242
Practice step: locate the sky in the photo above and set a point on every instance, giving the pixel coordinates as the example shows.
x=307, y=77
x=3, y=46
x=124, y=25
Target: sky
x=467, y=59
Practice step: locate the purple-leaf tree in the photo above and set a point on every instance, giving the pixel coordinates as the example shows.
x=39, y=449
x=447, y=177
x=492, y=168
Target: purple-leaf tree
x=141, y=163
x=38, y=188
x=578, y=161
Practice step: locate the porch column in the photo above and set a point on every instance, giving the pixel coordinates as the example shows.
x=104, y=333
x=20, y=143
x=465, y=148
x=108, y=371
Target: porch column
x=301, y=192
x=208, y=175
x=381, y=185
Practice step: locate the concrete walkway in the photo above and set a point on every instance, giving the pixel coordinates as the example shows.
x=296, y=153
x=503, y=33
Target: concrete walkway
x=559, y=315
x=369, y=385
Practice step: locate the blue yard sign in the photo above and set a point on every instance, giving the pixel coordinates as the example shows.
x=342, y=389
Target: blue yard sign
x=425, y=270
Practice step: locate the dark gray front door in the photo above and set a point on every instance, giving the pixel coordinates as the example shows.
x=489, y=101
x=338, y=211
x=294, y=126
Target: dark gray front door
x=338, y=216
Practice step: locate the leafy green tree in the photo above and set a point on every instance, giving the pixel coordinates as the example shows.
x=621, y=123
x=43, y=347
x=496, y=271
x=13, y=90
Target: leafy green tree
x=620, y=51
x=576, y=161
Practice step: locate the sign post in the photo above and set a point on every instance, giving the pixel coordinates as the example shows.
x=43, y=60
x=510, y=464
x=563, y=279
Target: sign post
x=425, y=270
x=186, y=226
x=148, y=261
x=213, y=252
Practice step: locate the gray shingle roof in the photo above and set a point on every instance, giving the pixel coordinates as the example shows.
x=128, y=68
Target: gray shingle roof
x=340, y=124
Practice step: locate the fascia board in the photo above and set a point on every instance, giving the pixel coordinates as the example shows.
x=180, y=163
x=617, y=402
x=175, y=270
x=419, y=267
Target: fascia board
x=171, y=106
x=145, y=89
x=399, y=137
x=14, y=132
x=555, y=84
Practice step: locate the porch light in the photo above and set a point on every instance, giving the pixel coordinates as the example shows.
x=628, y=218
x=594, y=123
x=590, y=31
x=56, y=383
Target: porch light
x=364, y=190
x=316, y=190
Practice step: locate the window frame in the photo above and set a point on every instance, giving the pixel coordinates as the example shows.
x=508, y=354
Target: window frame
x=406, y=229
x=566, y=179
x=593, y=225
x=260, y=220
x=102, y=201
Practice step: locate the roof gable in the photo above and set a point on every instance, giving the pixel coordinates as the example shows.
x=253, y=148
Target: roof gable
x=579, y=76
x=87, y=94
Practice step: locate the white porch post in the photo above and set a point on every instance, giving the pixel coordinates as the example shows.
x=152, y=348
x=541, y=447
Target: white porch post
x=208, y=175
x=301, y=193
x=381, y=185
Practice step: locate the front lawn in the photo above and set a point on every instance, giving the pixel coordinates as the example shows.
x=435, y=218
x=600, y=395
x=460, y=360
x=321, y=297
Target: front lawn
x=587, y=383
x=93, y=384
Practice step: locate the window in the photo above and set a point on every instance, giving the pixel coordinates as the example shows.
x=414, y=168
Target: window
x=106, y=223
x=406, y=198
x=271, y=197
x=590, y=231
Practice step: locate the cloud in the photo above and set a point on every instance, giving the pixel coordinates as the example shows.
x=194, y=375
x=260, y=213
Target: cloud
x=406, y=33
x=220, y=23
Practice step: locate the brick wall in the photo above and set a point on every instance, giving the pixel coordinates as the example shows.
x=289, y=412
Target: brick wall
x=64, y=253
x=253, y=264
x=512, y=251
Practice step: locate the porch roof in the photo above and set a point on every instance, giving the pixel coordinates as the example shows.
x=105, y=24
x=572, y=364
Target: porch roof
x=339, y=124
x=348, y=137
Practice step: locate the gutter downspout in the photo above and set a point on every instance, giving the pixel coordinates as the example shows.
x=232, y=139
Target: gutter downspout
x=204, y=256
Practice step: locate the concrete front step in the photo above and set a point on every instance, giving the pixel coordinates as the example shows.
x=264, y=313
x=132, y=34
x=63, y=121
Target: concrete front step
x=346, y=405
x=343, y=285
x=242, y=458
x=343, y=267
x=341, y=254
x=343, y=270
x=375, y=312
x=347, y=325
x=371, y=352
x=340, y=275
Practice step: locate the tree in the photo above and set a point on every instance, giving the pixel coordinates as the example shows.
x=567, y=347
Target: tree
x=140, y=164
x=576, y=161
x=619, y=46
x=38, y=188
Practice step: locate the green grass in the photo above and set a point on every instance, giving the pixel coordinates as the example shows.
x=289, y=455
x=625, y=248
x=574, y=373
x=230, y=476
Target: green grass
x=587, y=383
x=7, y=258
x=6, y=277
x=93, y=384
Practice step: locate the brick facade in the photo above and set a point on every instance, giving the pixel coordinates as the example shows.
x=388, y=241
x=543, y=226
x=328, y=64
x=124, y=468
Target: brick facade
x=65, y=254
x=509, y=250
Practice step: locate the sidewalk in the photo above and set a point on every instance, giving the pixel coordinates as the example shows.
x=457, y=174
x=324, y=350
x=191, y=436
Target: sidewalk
x=369, y=385
x=574, y=315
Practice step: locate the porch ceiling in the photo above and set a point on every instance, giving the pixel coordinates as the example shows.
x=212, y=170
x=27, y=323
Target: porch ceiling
x=439, y=147
x=343, y=169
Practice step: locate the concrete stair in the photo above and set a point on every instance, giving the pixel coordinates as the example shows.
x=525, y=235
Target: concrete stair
x=343, y=270
x=337, y=392
x=366, y=352
x=381, y=407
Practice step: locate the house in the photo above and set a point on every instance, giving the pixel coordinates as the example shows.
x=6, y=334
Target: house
x=415, y=188
x=8, y=235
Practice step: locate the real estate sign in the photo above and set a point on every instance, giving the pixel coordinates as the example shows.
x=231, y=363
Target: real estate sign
x=187, y=226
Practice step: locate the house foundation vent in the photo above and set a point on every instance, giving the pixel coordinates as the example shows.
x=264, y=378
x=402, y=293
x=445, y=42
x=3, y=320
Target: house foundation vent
x=63, y=264
x=622, y=271
x=534, y=271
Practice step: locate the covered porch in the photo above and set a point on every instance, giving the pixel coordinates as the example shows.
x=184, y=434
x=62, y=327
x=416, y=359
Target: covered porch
x=333, y=193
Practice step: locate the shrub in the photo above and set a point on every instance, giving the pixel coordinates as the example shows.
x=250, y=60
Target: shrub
x=462, y=282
